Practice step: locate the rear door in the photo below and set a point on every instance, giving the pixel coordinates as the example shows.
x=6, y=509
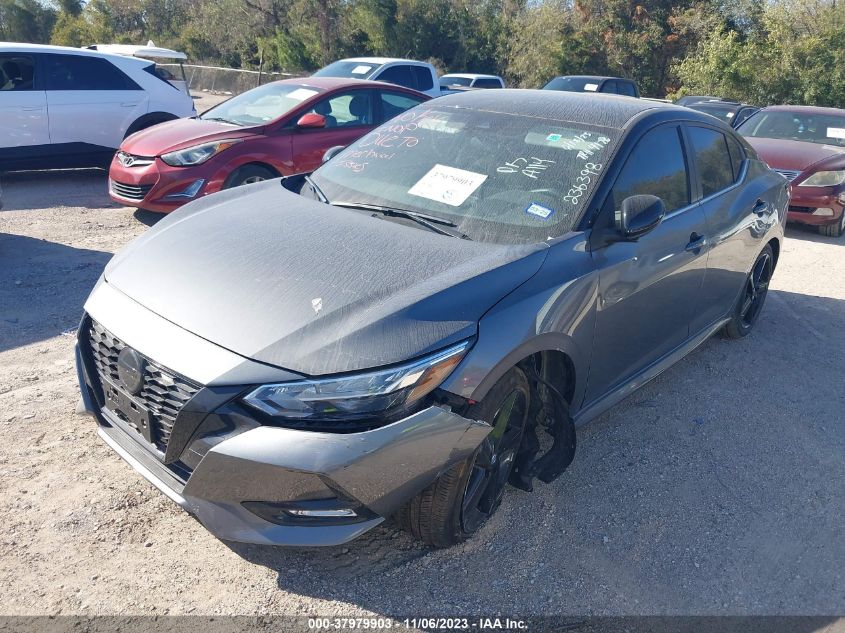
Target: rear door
x=739, y=206
x=23, y=106
x=91, y=102
x=349, y=115
x=649, y=289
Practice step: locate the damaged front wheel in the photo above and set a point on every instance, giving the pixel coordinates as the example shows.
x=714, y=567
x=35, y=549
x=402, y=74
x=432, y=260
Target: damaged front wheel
x=458, y=502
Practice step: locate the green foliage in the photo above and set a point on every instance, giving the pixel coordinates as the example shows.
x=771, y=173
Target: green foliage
x=761, y=51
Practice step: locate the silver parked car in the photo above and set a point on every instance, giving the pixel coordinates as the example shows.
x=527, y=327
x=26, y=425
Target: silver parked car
x=295, y=361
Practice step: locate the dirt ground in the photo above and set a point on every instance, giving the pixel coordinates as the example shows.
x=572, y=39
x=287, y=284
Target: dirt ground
x=716, y=489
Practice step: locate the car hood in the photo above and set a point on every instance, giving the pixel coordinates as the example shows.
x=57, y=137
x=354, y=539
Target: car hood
x=793, y=155
x=172, y=135
x=312, y=288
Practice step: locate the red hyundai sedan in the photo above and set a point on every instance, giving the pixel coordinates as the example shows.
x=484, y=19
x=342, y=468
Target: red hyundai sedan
x=274, y=130
x=806, y=145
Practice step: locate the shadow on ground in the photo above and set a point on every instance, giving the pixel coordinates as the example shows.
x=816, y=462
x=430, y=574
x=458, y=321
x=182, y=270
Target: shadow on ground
x=715, y=489
x=807, y=233
x=30, y=190
x=42, y=287
x=148, y=218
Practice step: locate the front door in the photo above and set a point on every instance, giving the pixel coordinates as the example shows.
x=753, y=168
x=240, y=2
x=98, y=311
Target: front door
x=649, y=288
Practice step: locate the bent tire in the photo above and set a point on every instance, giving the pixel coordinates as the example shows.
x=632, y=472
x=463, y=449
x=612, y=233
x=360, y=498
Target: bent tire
x=834, y=230
x=460, y=500
x=750, y=302
x=249, y=174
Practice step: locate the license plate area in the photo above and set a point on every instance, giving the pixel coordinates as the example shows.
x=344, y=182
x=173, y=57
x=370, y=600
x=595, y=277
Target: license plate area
x=129, y=410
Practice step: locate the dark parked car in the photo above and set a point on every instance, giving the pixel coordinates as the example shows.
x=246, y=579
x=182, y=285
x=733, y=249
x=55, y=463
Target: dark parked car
x=589, y=83
x=389, y=335
x=806, y=145
x=730, y=112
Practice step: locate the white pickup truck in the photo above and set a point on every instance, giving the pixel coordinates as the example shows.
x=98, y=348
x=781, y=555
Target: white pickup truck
x=420, y=76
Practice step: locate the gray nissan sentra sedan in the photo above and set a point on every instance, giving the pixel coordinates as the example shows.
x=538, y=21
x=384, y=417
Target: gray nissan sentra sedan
x=428, y=316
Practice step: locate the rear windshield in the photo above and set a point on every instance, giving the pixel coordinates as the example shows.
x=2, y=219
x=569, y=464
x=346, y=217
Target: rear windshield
x=500, y=177
x=260, y=105
x=348, y=70
x=446, y=81
x=573, y=84
x=824, y=129
x=724, y=112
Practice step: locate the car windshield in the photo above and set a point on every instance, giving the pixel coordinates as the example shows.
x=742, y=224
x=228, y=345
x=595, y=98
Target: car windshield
x=573, y=84
x=825, y=129
x=260, y=105
x=348, y=70
x=451, y=80
x=498, y=177
x=721, y=111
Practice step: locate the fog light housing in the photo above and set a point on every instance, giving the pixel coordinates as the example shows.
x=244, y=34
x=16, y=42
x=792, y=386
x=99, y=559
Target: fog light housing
x=334, y=511
x=188, y=192
x=824, y=212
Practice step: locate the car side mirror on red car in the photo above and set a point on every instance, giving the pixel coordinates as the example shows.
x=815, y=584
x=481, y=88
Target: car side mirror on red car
x=312, y=120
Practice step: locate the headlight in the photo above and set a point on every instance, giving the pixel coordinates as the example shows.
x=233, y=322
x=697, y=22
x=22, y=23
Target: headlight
x=824, y=179
x=357, y=395
x=197, y=154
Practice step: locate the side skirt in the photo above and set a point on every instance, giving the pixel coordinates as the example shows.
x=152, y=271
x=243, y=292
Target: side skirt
x=616, y=395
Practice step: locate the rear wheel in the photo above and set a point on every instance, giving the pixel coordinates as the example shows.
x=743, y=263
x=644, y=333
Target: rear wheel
x=458, y=502
x=834, y=230
x=753, y=296
x=249, y=174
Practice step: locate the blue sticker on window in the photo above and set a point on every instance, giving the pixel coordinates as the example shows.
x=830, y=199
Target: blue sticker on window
x=539, y=210
x=554, y=138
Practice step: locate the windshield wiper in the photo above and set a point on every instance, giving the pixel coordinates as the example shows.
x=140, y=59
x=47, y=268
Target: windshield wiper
x=431, y=222
x=316, y=189
x=221, y=120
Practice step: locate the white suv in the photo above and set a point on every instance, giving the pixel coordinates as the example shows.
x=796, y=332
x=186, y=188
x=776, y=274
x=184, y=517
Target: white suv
x=419, y=76
x=67, y=107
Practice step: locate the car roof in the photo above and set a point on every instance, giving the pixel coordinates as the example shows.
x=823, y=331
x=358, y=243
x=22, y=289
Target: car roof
x=805, y=109
x=576, y=107
x=21, y=47
x=596, y=77
x=138, y=51
x=380, y=60
x=333, y=83
x=471, y=76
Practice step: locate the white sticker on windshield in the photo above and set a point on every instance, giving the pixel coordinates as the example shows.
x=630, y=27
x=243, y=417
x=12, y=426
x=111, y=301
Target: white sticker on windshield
x=301, y=94
x=591, y=87
x=448, y=185
x=361, y=70
x=835, y=132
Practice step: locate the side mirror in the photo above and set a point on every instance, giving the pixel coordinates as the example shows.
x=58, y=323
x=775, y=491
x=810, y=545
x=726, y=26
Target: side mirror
x=639, y=215
x=312, y=120
x=332, y=152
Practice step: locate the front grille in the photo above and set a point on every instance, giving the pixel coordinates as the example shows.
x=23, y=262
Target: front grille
x=794, y=209
x=130, y=192
x=789, y=174
x=130, y=160
x=164, y=392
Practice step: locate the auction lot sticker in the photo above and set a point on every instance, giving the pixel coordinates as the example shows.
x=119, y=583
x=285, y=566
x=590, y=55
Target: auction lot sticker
x=448, y=185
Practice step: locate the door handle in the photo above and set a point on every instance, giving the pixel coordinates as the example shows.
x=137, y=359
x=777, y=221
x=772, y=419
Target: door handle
x=696, y=242
x=761, y=208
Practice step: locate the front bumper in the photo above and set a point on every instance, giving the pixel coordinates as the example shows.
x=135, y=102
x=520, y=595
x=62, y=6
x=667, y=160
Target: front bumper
x=153, y=185
x=226, y=464
x=814, y=206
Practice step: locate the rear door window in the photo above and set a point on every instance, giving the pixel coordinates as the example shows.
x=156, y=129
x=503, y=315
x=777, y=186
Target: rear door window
x=713, y=160
x=83, y=72
x=399, y=75
x=423, y=77
x=395, y=103
x=609, y=86
x=17, y=72
x=487, y=83
x=656, y=167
